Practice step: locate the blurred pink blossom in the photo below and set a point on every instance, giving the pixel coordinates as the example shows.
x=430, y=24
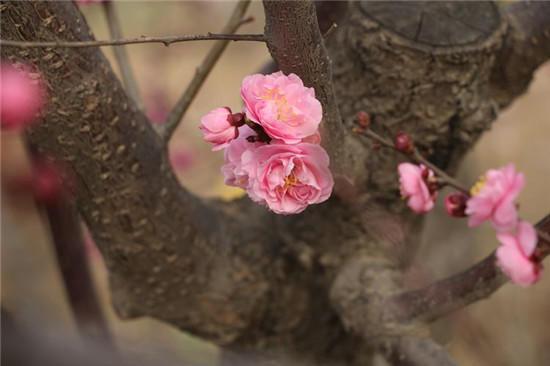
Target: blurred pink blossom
x=288, y=178
x=515, y=255
x=415, y=184
x=493, y=198
x=282, y=105
x=218, y=128
x=181, y=159
x=20, y=98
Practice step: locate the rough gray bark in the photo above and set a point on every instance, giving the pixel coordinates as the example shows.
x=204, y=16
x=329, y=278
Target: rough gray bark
x=312, y=286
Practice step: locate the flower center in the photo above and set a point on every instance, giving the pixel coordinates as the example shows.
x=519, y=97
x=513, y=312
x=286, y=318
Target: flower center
x=476, y=188
x=284, y=110
x=291, y=180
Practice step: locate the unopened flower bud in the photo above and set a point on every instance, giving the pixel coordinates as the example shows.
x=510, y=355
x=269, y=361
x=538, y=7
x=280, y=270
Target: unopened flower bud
x=455, y=204
x=403, y=142
x=363, y=119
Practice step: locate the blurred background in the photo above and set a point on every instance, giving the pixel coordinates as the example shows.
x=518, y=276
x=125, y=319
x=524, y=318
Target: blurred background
x=510, y=328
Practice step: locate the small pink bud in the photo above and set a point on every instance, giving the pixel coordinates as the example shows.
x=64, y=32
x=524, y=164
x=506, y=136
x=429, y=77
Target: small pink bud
x=363, y=119
x=403, y=142
x=455, y=204
x=20, y=98
x=217, y=128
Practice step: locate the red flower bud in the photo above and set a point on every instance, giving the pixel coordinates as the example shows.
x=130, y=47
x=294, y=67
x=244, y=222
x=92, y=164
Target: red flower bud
x=363, y=119
x=403, y=142
x=44, y=182
x=455, y=204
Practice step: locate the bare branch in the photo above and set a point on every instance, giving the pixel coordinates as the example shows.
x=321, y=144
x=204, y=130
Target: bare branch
x=415, y=156
x=526, y=47
x=166, y=40
x=121, y=55
x=202, y=72
x=453, y=293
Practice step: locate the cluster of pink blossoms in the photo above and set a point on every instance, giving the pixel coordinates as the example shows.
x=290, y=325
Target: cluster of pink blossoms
x=492, y=199
x=273, y=150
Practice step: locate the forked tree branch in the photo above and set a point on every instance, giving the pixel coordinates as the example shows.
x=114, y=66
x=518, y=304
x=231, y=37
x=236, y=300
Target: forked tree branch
x=458, y=291
x=166, y=250
x=202, y=72
x=121, y=55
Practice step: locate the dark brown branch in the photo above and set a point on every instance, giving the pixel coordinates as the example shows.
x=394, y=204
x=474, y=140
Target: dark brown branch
x=167, y=41
x=73, y=264
x=453, y=293
x=296, y=44
x=121, y=55
x=202, y=72
x=526, y=47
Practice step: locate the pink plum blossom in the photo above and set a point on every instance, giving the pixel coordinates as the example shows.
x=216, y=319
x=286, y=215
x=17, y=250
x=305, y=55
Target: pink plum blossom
x=514, y=256
x=282, y=105
x=416, y=183
x=218, y=128
x=232, y=170
x=20, y=98
x=288, y=178
x=182, y=159
x=493, y=198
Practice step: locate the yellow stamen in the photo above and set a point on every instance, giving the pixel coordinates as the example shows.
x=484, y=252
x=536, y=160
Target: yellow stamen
x=478, y=186
x=284, y=111
x=291, y=180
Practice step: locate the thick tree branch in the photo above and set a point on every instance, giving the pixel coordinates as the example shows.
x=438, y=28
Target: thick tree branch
x=296, y=44
x=165, y=40
x=202, y=72
x=451, y=294
x=526, y=47
x=169, y=254
x=121, y=55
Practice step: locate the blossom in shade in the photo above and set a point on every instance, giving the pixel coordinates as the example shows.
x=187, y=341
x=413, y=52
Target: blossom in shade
x=493, y=198
x=218, y=127
x=515, y=255
x=20, y=98
x=181, y=159
x=232, y=170
x=288, y=178
x=282, y=105
x=416, y=185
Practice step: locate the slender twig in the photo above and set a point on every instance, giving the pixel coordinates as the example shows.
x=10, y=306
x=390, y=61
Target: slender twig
x=166, y=40
x=414, y=155
x=202, y=72
x=331, y=29
x=121, y=55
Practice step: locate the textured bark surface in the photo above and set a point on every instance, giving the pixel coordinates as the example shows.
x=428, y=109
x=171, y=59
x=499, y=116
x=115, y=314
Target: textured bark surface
x=310, y=286
x=415, y=70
